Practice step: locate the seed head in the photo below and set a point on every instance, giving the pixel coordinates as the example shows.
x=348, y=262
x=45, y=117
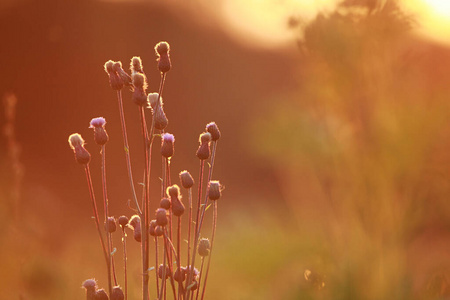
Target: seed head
x=76, y=142
x=115, y=80
x=173, y=191
x=140, y=85
x=152, y=99
x=186, y=179
x=159, y=231
x=165, y=203
x=123, y=221
x=203, y=151
x=167, y=145
x=204, y=247
x=136, y=65
x=177, y=206
x=161, y=217
x=135, y=222
x=152, y=228
x=214, y=190
x=91, y=286
x=100, y=135
x=213, y=130
x=161, y=120
x=162, y=50
x=117, y=293
x=101, y=295
x=110, y=226
x=117, y=67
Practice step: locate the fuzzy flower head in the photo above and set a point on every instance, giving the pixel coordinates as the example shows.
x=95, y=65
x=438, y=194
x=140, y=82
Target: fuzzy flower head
x=167, y=145
x=109, y=66
x=97, y=122
x=186, y=179
x=214, y=190
x=213, y=130
x=152, y=99
x=162, y=50
x=173, y=191
x=75, y=140
x=136, y=65
x=203, y=151
x=115, y=80
x=205, y=137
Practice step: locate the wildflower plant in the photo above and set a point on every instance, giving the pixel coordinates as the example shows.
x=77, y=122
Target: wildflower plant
x=163, y=227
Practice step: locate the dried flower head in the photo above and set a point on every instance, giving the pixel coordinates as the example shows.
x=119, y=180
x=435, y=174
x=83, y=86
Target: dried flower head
x=167, y=145
x=117, y=67
x=186, y=179
x=152, y=99
x=140, y=85
x=162, y=50
x=76, y=142
x=101, y=295
x=152, y=228
x=123, y=221
x=204, y=247
x=177, y=206
x=136, y=65
x=110, y=225
x=135, y=222
x=203, y=151
x=100, y=135
x=161, y=217
x=159, y=231
x=214, y=190
x=91, y=286
x=213, y=130
x=173, y=191
x=117, y=293
x=161, y=120
x=115, y=80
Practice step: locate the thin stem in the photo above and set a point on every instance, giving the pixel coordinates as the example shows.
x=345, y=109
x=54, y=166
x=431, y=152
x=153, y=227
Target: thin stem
x=213, y=155
x=166, y=240
x=189, y=226
x=94, y=208
x=106, y=211
x=179, y=256
x=196, y=236
x=145, y=238
x=127, y=151
x=156, y=265
x=212, y=244
x=200, y=277
x=124, y=242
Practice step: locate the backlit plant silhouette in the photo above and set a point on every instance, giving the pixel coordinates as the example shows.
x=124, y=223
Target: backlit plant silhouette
x=163, y=227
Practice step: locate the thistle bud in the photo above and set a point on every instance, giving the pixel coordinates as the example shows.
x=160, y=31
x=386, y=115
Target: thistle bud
x=76, y=142
x=152, y=228
x=186, y=179
x=161, y=217
x=165, y=203
x=173, y=191
x=115, y=81
x=101, y=295
x=91, y=286
x=161, y=120
x=203, y=151
x=136, y=65
x=117, y=67
x=180, y=275
x=162, y=51
x=214, y=190
x=213, y=130
x=110, y=226
x=152, y=100
x=117, y=293
x=135, y=222
x=140, y=85
x=161, y=271
x=203, y=247
x=177, y=207
x=100, y=135
x=167, y=145
x=123, y=222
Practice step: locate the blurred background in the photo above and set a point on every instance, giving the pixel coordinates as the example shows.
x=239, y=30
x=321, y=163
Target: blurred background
x=334, y=151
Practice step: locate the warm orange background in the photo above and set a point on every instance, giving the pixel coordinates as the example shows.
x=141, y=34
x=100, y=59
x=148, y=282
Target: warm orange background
x=334, y=152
